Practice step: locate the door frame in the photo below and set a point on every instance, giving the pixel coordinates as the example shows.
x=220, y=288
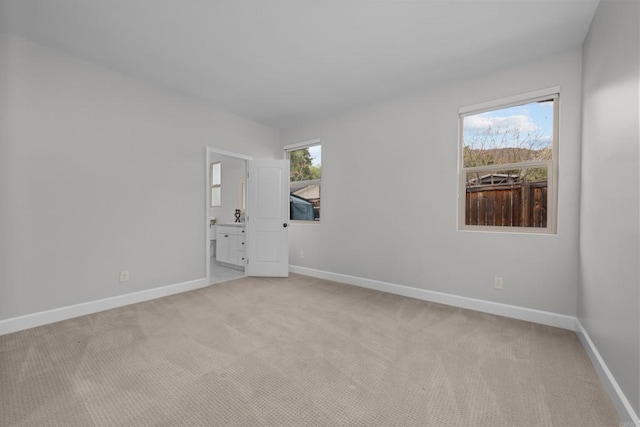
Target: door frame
x=207, y=205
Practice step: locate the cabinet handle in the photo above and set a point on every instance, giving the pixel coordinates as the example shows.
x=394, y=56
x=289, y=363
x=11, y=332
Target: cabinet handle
x=226, y=235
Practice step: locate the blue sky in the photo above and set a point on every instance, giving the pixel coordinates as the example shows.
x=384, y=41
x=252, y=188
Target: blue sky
x=530, y=119
x=316, y=155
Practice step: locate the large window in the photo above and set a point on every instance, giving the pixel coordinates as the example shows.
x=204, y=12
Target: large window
x=305, y=179
x=508, y=165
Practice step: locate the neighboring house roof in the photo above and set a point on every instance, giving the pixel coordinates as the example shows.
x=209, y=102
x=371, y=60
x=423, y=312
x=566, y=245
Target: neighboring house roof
x=309, y=190
x=298, y=185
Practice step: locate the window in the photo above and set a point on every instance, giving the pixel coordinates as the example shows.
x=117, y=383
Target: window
x=304, y=181
x=508, y=164
x=216, y=184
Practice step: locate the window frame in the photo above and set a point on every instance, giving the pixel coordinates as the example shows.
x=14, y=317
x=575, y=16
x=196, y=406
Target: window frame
x=299, y=146
x=214, y=185
x=551, y=165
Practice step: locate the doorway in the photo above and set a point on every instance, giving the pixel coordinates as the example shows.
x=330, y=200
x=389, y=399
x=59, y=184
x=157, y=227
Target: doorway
x=225, y=210
x=237, y=184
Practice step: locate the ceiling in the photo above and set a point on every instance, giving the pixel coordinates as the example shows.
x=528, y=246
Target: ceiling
x=286, y=62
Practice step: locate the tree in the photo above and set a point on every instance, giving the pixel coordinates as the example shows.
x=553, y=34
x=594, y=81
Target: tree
x=302, y=168
x=503, y=146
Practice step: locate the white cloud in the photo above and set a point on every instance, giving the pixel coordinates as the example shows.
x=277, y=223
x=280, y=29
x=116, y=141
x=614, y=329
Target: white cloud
x=500, y=124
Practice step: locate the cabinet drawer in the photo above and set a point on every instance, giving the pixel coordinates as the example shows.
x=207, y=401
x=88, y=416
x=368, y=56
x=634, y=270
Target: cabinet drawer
x=229, y=230
x=220, y=229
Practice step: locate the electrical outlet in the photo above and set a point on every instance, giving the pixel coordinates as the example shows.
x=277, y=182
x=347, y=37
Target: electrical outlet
x=124, y=276
x=301, y=254
x=497, y=282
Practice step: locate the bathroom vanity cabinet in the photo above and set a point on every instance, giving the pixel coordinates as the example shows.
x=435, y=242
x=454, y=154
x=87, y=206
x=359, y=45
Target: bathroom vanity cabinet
x=230, y=244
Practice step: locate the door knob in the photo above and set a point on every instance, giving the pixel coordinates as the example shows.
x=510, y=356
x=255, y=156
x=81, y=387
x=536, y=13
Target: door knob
x=285, y=225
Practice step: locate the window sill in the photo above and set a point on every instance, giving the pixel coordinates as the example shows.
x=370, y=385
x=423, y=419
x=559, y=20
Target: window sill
x=508, y=230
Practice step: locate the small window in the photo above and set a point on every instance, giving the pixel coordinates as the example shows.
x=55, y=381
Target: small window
x=508, y=165
x=305, y=180
x=216, y=184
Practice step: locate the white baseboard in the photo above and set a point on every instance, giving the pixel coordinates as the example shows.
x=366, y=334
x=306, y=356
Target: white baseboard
x=20, y=323
x=512, y=311
x=620, y=401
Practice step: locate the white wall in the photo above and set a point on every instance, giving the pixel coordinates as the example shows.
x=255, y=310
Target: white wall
x=101, y=173
x=609, y=292
x=389, y=183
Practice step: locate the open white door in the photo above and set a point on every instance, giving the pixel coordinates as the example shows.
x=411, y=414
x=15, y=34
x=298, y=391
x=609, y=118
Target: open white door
x=268, y=218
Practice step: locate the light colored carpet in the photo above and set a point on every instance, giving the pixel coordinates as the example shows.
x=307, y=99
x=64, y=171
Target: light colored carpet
x=297, y=352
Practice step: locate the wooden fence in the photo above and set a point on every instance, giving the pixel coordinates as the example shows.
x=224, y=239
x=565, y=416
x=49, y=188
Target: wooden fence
x=512, y=205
